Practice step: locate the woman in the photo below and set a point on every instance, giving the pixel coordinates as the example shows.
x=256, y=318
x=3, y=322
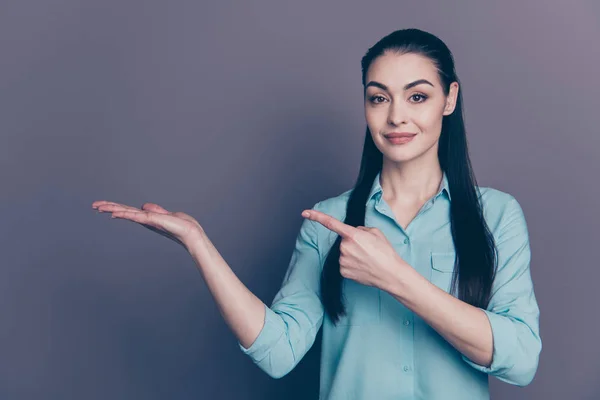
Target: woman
x=419, y=277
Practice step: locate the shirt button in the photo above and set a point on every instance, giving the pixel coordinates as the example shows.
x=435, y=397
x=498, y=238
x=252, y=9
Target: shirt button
x=406, y=322
x=406, y=241
x=406, y=368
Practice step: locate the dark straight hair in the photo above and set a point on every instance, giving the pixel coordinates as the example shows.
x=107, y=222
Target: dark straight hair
x=476, y=255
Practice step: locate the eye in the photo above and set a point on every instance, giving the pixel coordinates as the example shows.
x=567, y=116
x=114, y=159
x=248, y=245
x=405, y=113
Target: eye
x=424, y=97
x=373, y=98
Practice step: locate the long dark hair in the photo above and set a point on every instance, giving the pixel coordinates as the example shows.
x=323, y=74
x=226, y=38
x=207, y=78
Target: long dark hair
x=476, y=254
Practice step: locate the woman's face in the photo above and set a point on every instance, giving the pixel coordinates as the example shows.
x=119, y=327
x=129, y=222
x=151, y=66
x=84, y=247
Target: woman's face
x=393, y=104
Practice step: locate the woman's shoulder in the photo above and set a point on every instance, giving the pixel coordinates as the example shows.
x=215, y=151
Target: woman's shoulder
x=499, y=207
x=334, y=205
x=494, y=197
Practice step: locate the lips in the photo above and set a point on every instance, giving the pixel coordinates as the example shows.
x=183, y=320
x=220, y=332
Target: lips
x=400, y=135
x=399, y=138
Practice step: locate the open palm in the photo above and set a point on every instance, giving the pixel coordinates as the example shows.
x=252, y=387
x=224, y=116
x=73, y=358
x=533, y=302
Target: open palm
x=177, y=226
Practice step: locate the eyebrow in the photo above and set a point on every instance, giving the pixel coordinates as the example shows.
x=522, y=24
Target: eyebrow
x=406, y=87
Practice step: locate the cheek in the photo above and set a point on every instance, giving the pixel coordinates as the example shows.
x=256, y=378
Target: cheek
x=373, y=113
x=376, y=119
x=428, y=120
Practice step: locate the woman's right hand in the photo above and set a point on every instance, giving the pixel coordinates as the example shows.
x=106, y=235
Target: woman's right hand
x=243, y=312
x=177, y=226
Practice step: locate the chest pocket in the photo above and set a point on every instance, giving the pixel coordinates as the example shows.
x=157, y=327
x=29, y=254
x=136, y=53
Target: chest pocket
x=442, y=267
x=363, y=304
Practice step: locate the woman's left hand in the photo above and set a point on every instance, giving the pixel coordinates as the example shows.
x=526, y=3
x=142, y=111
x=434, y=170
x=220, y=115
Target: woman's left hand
x=366, y=256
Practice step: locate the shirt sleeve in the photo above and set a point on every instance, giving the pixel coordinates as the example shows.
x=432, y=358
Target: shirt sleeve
x=296, y=313
x=513, y=311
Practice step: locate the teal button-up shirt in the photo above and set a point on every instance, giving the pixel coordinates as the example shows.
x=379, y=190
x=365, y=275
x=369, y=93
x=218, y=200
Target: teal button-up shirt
x=381, y=349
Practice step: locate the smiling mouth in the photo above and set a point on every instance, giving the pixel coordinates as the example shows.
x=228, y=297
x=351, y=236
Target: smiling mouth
x=400, y=139
x=399, y=134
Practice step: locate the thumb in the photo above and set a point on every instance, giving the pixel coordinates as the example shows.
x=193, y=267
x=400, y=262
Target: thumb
x=377, y=232
x=154, y=208
x=368, y=229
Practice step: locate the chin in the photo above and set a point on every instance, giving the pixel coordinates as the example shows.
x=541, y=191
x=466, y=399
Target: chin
x=406, y=152
x=398, y=157
x=402, y=153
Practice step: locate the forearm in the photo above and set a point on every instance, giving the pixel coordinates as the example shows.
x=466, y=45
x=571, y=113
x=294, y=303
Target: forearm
x=243, y=312
x=464, y=326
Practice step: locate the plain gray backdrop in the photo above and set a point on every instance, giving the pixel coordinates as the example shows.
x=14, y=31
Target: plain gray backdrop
x=243, y=114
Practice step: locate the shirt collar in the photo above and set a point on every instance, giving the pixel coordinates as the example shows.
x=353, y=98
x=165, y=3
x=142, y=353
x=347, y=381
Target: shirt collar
x=376, y=187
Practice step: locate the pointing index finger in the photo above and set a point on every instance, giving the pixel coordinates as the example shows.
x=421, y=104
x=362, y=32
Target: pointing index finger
x=330, y=223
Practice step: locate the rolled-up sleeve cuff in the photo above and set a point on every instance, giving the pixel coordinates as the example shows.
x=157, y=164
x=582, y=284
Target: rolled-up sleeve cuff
x=270, y=334
x=505, y=342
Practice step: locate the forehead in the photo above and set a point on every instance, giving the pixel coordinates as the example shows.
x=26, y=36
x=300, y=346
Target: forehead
x=394, y=70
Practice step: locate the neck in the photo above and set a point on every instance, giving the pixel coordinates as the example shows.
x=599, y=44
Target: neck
x=411, y=182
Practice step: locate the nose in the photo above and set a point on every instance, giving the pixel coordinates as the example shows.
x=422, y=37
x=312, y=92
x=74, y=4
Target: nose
x=397, y=114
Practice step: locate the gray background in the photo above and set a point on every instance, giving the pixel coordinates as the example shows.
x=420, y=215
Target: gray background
x=242, y=116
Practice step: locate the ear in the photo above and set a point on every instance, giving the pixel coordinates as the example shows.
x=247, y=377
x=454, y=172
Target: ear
x=451, y=99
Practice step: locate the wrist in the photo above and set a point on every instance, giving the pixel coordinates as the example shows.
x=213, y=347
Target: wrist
x=400, y=279
x=198, y=245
